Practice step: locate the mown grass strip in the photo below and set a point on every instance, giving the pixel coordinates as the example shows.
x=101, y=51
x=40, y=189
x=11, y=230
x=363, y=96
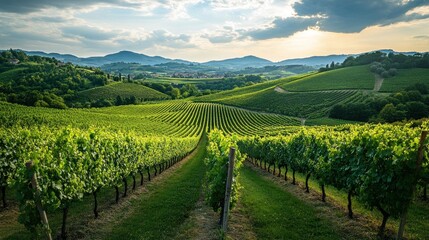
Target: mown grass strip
x=277, y=214
x=158, y=215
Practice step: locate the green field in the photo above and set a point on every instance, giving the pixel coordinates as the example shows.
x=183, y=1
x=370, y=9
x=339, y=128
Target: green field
x=405, y=78
x=125, y=90
x=344, y=78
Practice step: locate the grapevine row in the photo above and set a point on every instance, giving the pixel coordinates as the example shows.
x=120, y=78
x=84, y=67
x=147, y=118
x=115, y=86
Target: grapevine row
x=71, y=163
x=378, y=164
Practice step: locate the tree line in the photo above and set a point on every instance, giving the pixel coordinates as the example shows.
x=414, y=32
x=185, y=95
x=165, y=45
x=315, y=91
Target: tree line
x=405, y=105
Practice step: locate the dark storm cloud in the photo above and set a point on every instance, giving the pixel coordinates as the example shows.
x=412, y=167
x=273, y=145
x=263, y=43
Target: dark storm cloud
x=26, y=6
x=339, y=16
x=282, y=27
x=354, y=16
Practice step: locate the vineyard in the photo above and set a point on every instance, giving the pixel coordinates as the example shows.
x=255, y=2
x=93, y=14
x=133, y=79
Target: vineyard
x=405, y=78
x=84, y=160
x=171, y=118
x=70, y=163
x=380, y=165
x=298, y=104
x=340, y=79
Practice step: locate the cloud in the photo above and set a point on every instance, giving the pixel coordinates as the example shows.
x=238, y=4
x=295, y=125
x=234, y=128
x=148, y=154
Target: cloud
x=237, y=4
x=157, y=38
x=50, y=19
x=339, y=16
x=225, y=34
x=26, y=6
x=87, y=32
x=354, y=16
x=423, y=37
x=281, y=27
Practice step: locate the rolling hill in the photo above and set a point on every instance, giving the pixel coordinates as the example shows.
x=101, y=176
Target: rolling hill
x=312, y=96
x=405, y=78
x=240, y=63
x=125, y=90
x=358, y=77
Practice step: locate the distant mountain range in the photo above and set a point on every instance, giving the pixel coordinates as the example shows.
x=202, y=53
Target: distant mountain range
x=232, y=64
x=122, y=56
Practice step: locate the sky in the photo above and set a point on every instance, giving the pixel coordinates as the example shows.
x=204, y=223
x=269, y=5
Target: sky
x=203, y=30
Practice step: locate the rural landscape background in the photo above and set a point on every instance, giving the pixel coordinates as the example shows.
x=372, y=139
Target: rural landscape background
x=117, y=119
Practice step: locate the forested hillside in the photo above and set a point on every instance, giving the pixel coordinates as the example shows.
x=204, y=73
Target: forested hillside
x=45, y=82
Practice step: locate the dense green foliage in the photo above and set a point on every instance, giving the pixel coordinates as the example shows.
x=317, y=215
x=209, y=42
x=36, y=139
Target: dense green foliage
x=385, y=61
x=70, y=162
x=175, y=91
x=218, y=150
x=377, y=163
x=45, y=82
x=405, y=105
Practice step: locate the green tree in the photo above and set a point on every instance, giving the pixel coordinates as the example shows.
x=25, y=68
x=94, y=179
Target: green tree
x=417, y=110
x=390, y=114
x=175, y=93
x=119, y=101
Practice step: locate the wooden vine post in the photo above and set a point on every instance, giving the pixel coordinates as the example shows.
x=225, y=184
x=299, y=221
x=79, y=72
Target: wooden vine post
x=228, y=189
x=418, y=169
x=34, y=184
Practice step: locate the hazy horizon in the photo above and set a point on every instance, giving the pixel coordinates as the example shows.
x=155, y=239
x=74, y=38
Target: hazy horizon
x=204, y=30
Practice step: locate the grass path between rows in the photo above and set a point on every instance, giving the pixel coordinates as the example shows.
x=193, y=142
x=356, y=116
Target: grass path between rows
x=364, y=225
x=277, y=214
x=159, y=214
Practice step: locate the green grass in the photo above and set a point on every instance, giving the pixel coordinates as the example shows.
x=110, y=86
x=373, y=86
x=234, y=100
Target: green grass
x=159, y=215
x=125, y=90
x=344, y=78
x=418, y=214
x=405, y=78
x=277, y=214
